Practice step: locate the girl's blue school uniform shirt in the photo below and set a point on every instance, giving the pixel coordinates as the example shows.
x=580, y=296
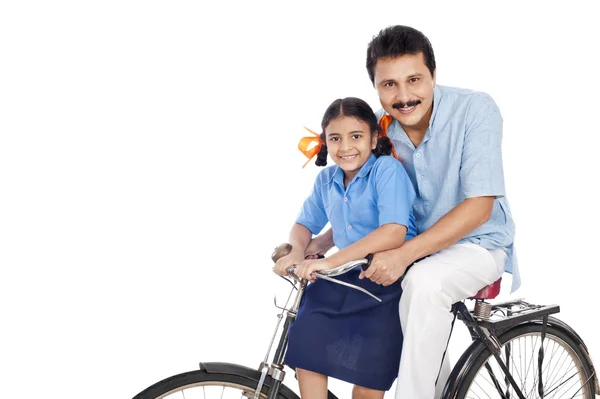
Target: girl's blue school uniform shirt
x=380, y=193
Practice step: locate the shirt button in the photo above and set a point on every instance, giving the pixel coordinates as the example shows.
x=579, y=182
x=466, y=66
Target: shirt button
x=418, y=155
x=345, y=199
x=421, y=177
x=349, y=227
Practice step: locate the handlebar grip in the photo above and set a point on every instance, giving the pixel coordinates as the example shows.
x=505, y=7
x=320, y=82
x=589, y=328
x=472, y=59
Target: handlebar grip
x=369, y=258
x=281, y=251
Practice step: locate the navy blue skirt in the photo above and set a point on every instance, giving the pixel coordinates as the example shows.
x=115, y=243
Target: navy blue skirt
x=345, y=334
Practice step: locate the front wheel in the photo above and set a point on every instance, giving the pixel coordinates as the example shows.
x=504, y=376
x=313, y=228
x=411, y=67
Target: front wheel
x=207, y=385
x=565, y=369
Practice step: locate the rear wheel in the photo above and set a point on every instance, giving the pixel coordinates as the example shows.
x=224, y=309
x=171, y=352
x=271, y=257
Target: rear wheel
x=565, y=370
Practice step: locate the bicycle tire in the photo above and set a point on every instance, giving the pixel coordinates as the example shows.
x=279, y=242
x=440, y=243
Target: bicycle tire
x=565, y=339
x=202, y=378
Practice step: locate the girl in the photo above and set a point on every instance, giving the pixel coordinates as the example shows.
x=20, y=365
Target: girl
x=367, y=197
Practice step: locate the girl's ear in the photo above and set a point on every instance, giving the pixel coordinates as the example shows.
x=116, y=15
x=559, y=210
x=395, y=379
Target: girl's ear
x=374, y=139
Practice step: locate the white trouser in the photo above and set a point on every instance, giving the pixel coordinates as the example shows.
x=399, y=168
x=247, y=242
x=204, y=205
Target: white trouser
x=430, y=287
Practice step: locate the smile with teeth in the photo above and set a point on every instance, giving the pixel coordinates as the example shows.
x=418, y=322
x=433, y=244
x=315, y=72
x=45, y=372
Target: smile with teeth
x=348, y=157
x=407, y=109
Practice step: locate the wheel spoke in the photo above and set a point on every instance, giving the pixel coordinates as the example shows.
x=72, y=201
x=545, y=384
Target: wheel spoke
x=211, y=390
x=562, y=370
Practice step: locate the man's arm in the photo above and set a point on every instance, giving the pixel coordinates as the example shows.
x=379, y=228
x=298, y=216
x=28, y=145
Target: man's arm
x=456, y=224
x=320, y=244
x=387, y=267
x=481, y=181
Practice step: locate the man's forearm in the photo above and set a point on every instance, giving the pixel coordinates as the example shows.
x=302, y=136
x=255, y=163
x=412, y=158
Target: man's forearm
x=456, y=224
x=326, y=240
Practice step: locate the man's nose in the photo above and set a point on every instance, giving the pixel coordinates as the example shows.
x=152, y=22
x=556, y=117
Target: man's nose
x=401, y=95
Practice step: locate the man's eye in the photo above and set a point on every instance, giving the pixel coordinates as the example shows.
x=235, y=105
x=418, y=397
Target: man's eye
x=389, y=84
x=414, y=80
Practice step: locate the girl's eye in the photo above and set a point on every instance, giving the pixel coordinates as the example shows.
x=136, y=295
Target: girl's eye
x=334, y=138
x=356, y=136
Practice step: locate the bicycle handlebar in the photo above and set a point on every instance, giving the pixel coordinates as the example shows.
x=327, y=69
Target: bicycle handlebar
x=338, y=271
x=285, y=248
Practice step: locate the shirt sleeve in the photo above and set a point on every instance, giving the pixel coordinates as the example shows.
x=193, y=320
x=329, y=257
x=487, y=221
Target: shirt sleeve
x=312, y=215
x=481, y=171
x=395, y=193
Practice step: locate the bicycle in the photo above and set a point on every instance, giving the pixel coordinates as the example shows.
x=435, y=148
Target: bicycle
x=489, y=367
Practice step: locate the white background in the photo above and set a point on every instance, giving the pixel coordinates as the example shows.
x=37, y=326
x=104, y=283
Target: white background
x=148, y=166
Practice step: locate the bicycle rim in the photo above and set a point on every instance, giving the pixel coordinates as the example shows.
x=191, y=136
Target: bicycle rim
x=210, y=390
x=201, y=385
x=565, y=371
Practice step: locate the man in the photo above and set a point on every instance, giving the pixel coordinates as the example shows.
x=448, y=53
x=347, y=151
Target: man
x=449, y=141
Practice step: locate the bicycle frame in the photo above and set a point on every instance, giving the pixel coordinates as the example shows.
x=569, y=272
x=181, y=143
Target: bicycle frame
x=486, y=328
x=275, y=368
x=483, y=331
x=483, y=328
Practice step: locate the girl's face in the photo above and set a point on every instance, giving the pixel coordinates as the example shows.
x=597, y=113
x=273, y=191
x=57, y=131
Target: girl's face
x=349, y=143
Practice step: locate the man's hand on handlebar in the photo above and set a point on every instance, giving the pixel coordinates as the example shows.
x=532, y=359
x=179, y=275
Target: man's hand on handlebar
x=319, y=245
x=386, y=268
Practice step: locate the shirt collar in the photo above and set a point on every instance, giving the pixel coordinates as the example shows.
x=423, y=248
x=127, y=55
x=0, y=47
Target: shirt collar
x=338, y=175
x=437, y=97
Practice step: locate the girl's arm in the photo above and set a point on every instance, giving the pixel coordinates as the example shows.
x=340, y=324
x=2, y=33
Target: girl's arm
x=298, y=239
x=385, y=237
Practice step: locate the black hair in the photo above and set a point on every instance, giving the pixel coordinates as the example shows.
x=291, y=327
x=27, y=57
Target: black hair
x=359, y=109
x=395, y=41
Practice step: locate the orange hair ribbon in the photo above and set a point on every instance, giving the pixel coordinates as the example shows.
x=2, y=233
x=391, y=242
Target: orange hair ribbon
x=305, y=143
x=384, y=123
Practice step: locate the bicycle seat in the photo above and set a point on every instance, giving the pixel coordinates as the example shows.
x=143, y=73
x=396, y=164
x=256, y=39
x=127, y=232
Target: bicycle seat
x=489, y=291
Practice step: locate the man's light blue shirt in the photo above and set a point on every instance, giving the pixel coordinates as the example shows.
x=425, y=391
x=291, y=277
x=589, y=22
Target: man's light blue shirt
x=459, y=157
x=380, y=193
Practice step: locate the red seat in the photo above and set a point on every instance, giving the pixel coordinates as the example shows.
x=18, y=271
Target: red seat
x=489, y=291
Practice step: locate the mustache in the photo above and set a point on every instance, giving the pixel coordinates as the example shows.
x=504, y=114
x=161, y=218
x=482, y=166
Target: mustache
x=411, y=103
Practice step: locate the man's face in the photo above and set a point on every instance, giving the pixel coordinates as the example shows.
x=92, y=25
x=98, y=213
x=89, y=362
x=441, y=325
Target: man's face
x=405, y=88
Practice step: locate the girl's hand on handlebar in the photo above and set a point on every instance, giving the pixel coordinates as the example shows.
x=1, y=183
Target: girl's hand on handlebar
x=307, y=267
x=285, y=262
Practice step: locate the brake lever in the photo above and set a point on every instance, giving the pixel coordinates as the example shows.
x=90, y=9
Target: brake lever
x=333, y=280
x=327, y=277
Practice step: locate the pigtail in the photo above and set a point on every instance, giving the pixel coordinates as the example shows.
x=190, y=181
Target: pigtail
x=384, y=146
x=322, y=155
